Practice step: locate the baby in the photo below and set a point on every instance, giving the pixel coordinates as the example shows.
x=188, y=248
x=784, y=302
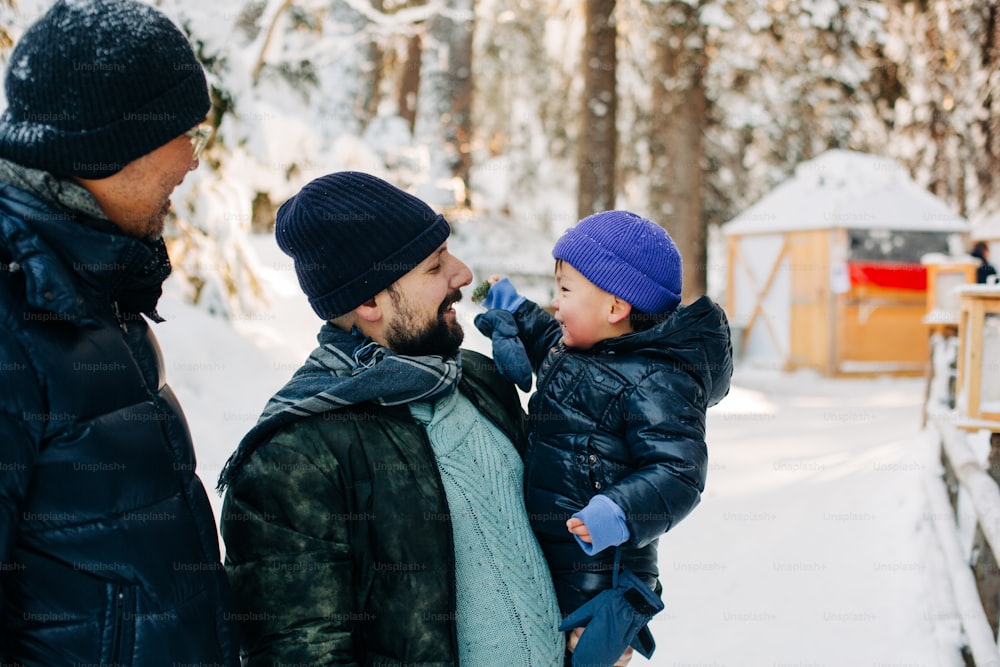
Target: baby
x=616, y=452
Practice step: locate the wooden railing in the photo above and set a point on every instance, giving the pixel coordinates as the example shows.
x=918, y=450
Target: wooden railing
x=965, y=509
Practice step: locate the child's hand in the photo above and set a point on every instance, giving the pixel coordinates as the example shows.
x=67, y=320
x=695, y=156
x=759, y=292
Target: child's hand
x=574, y=638
x=579, y=528
x=599, y=525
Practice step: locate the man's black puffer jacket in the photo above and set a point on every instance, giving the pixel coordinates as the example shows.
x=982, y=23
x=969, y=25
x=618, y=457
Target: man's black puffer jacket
x=108, y=548
x=626, y=419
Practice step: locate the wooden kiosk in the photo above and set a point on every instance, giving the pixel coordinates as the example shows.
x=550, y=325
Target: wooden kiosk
x=824, y=272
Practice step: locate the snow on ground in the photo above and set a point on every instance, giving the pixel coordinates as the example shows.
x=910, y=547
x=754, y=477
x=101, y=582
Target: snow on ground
x=812, y=544
x=223, y=371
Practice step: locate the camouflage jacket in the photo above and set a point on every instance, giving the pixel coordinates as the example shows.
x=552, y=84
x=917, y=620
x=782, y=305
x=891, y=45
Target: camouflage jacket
x=339, y=540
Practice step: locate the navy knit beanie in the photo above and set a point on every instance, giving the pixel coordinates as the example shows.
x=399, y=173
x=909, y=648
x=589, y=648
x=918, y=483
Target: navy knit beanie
x=627, y=255
x=95, y=84
x=352, y=235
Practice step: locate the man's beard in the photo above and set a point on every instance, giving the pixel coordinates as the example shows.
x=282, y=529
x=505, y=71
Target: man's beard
x=405, y=336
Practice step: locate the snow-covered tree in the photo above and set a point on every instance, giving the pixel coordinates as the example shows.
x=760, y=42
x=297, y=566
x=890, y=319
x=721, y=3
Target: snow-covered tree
x=945, y=124
x=695, y=109
x=525, y=118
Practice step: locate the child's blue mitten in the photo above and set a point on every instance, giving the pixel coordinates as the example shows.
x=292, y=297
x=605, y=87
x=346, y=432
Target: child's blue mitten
x=503, y=295
x=614, y=619
x=508, y=351
x=498, y=324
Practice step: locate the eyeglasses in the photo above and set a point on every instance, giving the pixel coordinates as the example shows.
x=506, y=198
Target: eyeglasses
x=199, y=135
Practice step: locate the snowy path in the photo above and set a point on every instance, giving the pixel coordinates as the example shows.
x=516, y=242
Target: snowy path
x=811, y=545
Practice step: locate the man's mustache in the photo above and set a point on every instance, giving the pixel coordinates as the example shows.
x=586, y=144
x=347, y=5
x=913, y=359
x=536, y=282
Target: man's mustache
x=453, y=297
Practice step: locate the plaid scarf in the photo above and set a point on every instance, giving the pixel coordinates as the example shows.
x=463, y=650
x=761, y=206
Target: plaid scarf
x=346, y=369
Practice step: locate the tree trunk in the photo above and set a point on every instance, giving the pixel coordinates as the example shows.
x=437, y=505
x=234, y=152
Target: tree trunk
x=344, y=82
x=990, y=125
x=461, y=103
x=409, y=82
x=370, y=93
x=676, y=136
x=598, y=142
x=444, y=110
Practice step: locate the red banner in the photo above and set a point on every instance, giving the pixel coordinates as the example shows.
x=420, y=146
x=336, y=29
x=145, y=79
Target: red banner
x=897, y=275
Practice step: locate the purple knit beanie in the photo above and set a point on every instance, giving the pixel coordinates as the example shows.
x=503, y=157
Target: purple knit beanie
x=627, y=255
x=352, y=235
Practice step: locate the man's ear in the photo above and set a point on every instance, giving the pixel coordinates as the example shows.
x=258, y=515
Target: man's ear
x=370, y=310
x=620, y=310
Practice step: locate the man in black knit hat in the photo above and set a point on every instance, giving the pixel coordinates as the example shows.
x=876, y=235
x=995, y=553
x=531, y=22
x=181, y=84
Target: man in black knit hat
x=108, y=548
x=374, y=515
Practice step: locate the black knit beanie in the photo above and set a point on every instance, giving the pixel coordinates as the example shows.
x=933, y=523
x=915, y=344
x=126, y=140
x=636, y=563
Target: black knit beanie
x=95, y=84
x=352, y=235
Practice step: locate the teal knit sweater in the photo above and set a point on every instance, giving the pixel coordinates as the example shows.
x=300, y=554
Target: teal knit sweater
x=506, y=610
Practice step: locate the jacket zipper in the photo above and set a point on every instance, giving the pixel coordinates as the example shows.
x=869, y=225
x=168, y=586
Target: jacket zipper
x=118, y=316
x=116, y=641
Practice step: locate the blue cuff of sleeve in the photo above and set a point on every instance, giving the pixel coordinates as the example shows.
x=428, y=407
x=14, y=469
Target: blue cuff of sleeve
x=503, y=295
x=606, y=522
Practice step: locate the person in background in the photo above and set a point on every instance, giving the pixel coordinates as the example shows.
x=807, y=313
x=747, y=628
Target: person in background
x=108, y=548
x=981, y=251
x=616, y=451
x=374, y=515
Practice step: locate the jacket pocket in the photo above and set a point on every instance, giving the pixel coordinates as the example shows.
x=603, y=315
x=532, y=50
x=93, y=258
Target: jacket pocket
x=119, y=625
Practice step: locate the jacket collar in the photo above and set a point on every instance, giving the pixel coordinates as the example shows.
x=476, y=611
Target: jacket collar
x=68, y=261
x=696, y=336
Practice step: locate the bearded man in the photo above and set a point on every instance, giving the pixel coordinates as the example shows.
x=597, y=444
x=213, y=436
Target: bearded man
x=374, y=515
